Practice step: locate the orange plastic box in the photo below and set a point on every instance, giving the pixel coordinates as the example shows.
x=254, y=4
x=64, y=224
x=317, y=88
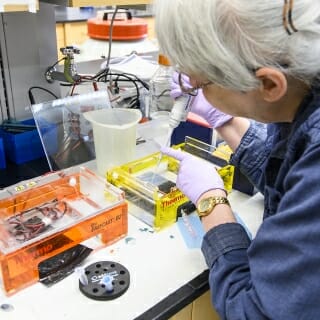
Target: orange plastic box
x=43, y=217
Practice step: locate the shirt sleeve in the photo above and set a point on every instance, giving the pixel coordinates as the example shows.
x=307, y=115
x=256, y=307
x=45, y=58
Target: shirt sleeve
x=277, y=277
x=252, y=153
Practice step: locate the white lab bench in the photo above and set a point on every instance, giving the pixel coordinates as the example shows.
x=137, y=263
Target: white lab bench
x=159, y=264
x=165, y=275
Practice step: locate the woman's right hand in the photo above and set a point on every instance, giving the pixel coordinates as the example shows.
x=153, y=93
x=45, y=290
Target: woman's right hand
x=200, y=105
x=196, y=176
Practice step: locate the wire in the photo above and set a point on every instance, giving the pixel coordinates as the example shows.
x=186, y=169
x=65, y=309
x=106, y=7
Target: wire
x=124, y=77
x=127, y=74
x=29, y=223
x=57, y=62
x=127, y=78
x=31, y=97
x=137, y=79
x=162, y=93
x=110, y=35
x=73, y=87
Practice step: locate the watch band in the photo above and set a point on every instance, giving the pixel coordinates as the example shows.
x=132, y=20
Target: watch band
x=206, y=205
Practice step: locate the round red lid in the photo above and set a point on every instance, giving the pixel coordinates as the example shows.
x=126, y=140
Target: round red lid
x=124, y=29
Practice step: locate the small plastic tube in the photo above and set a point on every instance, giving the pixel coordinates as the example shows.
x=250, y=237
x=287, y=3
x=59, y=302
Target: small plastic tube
x=107, y=281
x=82, y=275
x=72, y=181
x=47, y=221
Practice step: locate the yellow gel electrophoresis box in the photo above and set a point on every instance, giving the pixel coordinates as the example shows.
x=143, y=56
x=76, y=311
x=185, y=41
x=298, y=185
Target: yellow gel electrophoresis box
x=149, y=186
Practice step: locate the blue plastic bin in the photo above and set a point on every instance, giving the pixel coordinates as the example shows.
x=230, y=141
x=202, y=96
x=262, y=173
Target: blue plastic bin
x=2, y=155
x=25, y=146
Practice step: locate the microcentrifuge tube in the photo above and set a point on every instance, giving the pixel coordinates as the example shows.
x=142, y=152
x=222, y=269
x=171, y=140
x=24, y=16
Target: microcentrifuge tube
x=82, y=275
x=72, y=181
x=107, y=281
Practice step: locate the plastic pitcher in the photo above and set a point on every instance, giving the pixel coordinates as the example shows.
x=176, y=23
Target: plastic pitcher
x=114, y=134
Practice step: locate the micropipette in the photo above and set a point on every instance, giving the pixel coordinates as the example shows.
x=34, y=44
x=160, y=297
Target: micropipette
x=178, y=114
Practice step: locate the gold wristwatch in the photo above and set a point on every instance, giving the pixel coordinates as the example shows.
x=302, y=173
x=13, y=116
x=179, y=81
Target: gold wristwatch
x=206, y=205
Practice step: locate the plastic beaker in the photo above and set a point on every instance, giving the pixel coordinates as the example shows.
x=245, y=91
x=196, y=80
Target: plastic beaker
x=114, y=135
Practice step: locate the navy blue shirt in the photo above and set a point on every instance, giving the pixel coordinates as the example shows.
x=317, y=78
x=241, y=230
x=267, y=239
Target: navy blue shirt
x=277, y=275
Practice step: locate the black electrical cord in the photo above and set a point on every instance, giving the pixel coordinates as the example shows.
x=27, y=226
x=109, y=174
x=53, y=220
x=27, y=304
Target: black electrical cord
x=57, y=63
x=127, y=79
x=134, y=104
x=145, y=85
x=127, y=76
x=31, y=97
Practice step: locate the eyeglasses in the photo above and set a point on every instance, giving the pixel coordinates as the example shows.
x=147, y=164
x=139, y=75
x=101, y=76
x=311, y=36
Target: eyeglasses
x=287, y=17
x=185, y=86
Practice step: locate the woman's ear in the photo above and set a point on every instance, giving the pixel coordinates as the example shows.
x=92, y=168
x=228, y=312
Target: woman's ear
x=273, y=84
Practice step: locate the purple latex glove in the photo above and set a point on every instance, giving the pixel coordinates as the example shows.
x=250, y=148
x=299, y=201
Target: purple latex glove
x=175, y=88
x=196, y=176
x=200, y=105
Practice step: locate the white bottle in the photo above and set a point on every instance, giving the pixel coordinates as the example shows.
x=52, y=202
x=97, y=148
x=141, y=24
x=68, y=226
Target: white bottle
x=160, y=88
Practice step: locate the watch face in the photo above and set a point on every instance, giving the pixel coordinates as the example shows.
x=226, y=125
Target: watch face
x=204, y=205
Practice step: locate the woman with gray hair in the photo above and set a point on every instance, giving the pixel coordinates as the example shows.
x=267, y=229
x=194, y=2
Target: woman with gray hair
x=256, y=60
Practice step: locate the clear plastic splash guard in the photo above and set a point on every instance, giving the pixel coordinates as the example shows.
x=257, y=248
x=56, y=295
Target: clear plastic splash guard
x=66, y=136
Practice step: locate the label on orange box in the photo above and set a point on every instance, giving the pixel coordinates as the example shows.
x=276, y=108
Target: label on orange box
x=20, y=261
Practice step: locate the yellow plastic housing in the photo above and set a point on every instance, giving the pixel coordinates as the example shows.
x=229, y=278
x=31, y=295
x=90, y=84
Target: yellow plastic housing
x=143, y=182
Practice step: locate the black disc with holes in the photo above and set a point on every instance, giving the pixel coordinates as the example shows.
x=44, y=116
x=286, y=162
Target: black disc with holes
x=96, y=271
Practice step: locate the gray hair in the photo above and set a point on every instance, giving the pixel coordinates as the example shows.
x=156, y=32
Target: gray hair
x=226, y=40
